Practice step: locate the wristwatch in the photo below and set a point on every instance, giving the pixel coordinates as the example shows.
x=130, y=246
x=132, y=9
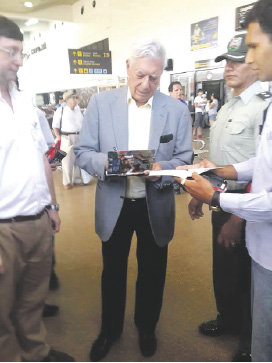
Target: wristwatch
x=215, y=202
x=53, y=207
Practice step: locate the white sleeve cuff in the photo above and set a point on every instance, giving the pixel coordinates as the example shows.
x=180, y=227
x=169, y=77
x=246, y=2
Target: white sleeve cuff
x=245, y=169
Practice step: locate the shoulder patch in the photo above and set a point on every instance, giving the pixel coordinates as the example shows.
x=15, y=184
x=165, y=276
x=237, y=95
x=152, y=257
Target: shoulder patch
x=264, y=95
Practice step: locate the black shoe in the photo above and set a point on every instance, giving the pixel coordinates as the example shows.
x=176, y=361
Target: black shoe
x=215, y=328
x=147, y=343
x=241, y=356
x=101, y=347
x=50, y=310
x=56, y=356
x=54, y=281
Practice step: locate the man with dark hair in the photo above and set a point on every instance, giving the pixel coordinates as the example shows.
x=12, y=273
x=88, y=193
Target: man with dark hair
x=233, y=139
x=176, y=91
x=255, y=207
x=28, y=210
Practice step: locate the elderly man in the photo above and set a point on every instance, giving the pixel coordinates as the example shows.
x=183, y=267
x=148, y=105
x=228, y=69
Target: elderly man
x=135, y=118
x=28, y=209
x=255, y=207
x=233, y=139
x=67, y=122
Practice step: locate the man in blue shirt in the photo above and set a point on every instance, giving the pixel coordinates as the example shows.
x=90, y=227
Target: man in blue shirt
x=175, y=91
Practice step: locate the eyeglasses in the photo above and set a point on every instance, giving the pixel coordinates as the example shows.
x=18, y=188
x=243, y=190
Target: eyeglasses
x=13, y=53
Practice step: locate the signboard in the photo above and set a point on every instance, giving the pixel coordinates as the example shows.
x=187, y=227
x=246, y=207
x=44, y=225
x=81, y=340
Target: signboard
x=35, y=50
x=89, y=62
x=207, y=63
x=100, y=46
x=204, y=34
x=202, y=64
x=240, y=14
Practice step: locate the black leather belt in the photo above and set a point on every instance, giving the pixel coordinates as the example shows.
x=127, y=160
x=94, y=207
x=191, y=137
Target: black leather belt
x=23, y=218
x=133, y=199
x=69, y=133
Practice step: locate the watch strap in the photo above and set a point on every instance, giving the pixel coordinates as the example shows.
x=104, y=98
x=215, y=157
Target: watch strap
x=215, y=202
x=53, y=207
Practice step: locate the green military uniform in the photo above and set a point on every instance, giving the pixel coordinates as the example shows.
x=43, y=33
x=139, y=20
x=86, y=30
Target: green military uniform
x=234, y=135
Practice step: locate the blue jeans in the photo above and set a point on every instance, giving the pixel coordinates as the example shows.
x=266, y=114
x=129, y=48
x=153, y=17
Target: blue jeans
x=261, y=313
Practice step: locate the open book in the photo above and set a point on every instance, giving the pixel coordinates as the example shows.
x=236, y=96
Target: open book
x=126, y=163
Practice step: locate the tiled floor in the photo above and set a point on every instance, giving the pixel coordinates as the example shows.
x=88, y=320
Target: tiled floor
x=188, y=298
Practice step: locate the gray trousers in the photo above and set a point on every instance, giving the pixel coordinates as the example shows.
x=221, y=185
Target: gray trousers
x=26, y=251
x=261, y=313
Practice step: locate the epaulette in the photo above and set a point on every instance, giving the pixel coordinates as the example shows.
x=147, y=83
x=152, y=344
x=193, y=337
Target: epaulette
x=264, y=95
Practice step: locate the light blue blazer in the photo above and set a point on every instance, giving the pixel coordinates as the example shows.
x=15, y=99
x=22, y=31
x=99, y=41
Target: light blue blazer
x=105, y=127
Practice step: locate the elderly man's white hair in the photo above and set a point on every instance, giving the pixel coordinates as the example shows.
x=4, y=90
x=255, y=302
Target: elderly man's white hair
x=148, y=48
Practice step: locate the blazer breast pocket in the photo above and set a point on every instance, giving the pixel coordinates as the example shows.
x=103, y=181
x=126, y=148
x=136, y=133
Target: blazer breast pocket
x=166, y=138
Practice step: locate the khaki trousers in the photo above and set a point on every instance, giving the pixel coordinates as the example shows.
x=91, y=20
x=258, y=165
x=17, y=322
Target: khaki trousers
x=70, y=172
x=26, y=250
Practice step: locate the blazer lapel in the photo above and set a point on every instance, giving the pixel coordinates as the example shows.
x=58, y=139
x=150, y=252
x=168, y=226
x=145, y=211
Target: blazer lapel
x=158, y=120
x=119, y=109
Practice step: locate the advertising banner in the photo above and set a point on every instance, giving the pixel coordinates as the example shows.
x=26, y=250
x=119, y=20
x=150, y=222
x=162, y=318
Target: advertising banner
x=204, y=34
x=240, y=14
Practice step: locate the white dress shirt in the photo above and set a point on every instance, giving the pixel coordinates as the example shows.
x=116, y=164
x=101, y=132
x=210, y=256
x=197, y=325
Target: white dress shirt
x=47, y=133
x=256, y=206
x=23, y=185
x=71, y=119
x=138, y=139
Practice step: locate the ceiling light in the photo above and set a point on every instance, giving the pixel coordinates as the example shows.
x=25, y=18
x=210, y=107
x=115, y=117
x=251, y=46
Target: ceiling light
x=28, y=4
x=31, y=21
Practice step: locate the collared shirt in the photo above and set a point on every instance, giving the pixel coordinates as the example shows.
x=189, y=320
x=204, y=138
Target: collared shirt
x=256, y=206
x=138, y=139
x=234, y=135
x=23, y=185
x=47, y=133
x=71, y=119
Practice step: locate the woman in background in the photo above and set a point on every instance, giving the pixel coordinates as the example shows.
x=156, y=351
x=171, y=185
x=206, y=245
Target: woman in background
x=212, y=109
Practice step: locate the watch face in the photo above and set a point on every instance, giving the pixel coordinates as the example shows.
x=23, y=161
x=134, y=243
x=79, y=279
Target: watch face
x=55, y=207
x=214, y=209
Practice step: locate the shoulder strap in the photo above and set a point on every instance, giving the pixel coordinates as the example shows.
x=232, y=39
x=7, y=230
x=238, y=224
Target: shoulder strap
x=62, y=108
x=264, y=95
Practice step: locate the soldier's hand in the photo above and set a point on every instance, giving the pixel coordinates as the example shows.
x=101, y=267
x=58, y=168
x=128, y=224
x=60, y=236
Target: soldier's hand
x=231, y=232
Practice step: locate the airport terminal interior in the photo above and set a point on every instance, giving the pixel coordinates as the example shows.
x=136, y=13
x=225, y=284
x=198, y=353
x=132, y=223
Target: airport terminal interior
x=188, y=297
x=56, y=32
